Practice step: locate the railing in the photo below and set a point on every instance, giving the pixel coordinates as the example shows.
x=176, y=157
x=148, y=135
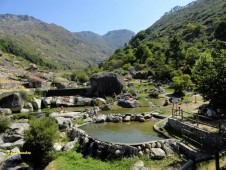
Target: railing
x=179, y=114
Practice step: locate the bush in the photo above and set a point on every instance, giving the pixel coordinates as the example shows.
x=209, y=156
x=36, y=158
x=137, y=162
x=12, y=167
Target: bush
x=39, y=140
x=23, y=116
x=154, y=94
x=4, y=123
x=26, y=97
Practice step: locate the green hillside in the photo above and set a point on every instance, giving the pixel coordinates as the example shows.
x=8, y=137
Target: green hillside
x=108, y=42
x=175, y=41
x=48, y=43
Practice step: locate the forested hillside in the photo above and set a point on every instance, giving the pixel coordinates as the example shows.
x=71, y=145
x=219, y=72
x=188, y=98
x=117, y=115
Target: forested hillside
x=175, y=41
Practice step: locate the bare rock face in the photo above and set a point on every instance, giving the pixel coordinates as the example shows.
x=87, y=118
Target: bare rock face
x=13, y=101
x=106, y=83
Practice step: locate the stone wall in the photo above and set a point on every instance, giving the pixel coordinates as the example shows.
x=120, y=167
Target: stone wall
x=106, y=150
x=209, y=140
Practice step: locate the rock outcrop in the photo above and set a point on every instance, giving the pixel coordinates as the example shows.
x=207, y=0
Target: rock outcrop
x=12, y=101
x=106, y=83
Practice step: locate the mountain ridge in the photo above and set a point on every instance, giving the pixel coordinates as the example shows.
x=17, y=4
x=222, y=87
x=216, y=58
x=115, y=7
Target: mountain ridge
x=50, y=42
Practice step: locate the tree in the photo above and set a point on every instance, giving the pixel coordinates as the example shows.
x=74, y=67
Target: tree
x=220, y=32
x=209, y=73
x=175, y=50
x=180, y=83
x=39, y=140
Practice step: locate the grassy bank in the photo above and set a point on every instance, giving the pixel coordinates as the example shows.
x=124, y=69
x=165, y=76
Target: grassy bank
x=72, y=160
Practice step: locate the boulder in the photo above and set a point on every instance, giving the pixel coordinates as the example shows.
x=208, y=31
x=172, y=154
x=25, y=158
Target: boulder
x=105, y=107
x=37, y=104
x=57, y=147
x=29, y=106
x=64, y=123
x=166, y=147
x=47, y=101
x=139, y=164
x=13, y=160
x=127, y=119
x=60, y=83
x=83, y=101
x=142, y=119
x=13, y=101
x=18, y=128
x=117, y=119
x=101, y=118
x=23, y=110
x=19, y=143
x=2, y=157
x=72, y=115
x=157, y=153
x=11, y=137
x=106, y=83
x=101, y=101
x=128, y=103
x=109, y=118
x=5, y=111
x=68, y=146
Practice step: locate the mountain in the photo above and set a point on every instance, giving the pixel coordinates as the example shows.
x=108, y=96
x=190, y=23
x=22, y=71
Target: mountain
x=48, y=44
x=108, y=42
x=96, y=40
x=117, y=38
x=175, y=41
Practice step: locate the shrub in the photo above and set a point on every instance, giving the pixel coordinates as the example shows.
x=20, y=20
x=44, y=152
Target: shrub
x=23, y=116
x=39, y=140
x=26, y=97
x=154, y=94
x=4, y=123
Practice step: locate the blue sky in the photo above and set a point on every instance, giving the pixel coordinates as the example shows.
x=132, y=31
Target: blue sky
x=99, y=16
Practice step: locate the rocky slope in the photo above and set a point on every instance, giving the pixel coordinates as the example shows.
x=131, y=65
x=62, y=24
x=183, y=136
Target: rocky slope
x=50, y=42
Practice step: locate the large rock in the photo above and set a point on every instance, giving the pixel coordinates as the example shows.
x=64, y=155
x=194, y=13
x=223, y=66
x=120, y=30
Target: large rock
x=13, y=101
x=37, y=104
x=106, y=83
x=83, y=101
x=68, y=146
x=157, y=153
x=5, y=111
x=101, y=118
x=47, y=101
x=64, y=123
x=128, y=103
x=13, y=160
x=29, y=106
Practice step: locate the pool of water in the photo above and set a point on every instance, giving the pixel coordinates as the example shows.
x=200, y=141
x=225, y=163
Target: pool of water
x=124, y=132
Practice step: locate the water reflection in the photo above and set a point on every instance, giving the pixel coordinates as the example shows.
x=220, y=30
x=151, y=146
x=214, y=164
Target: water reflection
x=129, y=132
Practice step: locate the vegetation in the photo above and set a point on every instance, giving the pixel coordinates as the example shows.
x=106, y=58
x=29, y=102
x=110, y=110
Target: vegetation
x=4, y=123
x=53, y=46
x=72, y=160
x=39, y=140
x=209, y=73
x=176, y=43
x=7, y=46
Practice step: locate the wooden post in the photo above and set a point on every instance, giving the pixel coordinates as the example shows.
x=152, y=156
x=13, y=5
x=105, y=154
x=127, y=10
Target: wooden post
x=179, y=111
x=182, y=114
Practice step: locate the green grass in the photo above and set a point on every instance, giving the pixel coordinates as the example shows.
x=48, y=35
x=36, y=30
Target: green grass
x=79, y=121
x=72, y=160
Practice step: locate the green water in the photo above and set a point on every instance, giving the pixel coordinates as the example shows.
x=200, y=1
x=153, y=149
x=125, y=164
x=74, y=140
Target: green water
x=124, y=132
